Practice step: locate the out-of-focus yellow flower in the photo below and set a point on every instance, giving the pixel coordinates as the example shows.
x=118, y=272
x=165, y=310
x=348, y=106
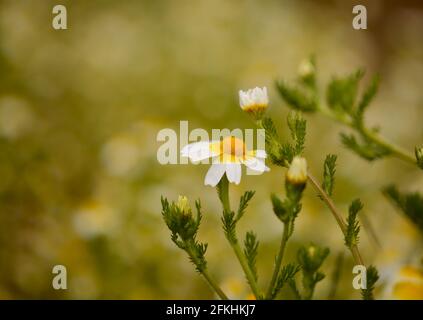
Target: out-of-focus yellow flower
x=410, y=284
x=236, y=289
x=250, y=296
x=407, y=284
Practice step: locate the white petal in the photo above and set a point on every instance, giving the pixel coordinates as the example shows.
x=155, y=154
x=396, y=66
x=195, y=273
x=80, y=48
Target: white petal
x=261, y=154
x=242, y=98
x=214, y=174
x=197, y=151
x=233, y=172
x=265, y=96
x=256, y=164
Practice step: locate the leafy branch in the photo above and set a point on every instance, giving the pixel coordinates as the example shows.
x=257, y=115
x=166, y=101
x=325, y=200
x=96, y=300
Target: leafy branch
x=311, y=258
x=286, y=275
x=178, y=218
x=346, y=106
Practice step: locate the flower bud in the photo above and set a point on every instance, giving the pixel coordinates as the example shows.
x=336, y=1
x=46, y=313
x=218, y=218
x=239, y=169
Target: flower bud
x=311, y=257
x=254, y=101
x=183, y=206
x=297, y=172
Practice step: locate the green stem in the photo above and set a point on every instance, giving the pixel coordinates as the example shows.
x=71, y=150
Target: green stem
x=371, y=135
x=354, y=249
x=394, y=149
x=214, y=285
x=224, y=193
x=204, y=272
x=248, y=273
x=278, y=262
x=224, y=198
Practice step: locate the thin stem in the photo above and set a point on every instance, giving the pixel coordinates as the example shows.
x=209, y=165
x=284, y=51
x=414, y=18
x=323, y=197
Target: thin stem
x=214, y=285
x=394, y=149
x=248, y=273
x=204, y=272
x=224, y=197
x=278, y=261
x=354, y=249
x=372, y=136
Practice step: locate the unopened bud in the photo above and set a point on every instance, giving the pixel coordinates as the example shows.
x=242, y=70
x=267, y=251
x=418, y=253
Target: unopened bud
x=184, y=206
x=297, y=172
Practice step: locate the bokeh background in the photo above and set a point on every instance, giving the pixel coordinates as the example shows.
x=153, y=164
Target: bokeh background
x=80, y=110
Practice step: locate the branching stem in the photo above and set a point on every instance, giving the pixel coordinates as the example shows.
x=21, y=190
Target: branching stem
x=338, y=217
x=205, y=273
x=370, y=135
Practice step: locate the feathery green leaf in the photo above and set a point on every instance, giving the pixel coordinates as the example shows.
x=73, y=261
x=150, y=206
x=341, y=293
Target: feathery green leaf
x=250, y=250
x=329, y=169
x=372, y=277
x=353, y=226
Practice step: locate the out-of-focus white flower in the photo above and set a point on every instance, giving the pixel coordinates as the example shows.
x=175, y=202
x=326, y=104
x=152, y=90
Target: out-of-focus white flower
x=254, y=101
x=227, y=156
x=297, y=172
x=121, y=155
x=94, y=218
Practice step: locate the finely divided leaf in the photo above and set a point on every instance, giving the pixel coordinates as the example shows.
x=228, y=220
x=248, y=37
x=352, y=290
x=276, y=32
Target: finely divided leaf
x=353, y=226
x=329, y=169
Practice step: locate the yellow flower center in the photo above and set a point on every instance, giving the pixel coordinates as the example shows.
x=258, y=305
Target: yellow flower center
x=230, y=150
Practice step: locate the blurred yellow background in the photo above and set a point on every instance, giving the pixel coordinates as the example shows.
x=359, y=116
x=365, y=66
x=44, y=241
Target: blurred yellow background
x=80, y=110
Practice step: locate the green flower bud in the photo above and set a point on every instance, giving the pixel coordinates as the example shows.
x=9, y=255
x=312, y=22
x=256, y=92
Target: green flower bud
x=311, y=257
x=183, y=206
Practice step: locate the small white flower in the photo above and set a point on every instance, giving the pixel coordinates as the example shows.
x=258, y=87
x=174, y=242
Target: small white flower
x=227, y=156
x=297, y=172
x=254, y=101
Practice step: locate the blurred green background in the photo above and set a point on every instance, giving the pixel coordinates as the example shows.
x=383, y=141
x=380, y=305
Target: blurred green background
x=80, y=110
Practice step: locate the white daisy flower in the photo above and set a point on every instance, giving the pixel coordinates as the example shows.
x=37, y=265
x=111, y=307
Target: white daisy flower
x=254, y=101
x=227, y=156
x=297, y=172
